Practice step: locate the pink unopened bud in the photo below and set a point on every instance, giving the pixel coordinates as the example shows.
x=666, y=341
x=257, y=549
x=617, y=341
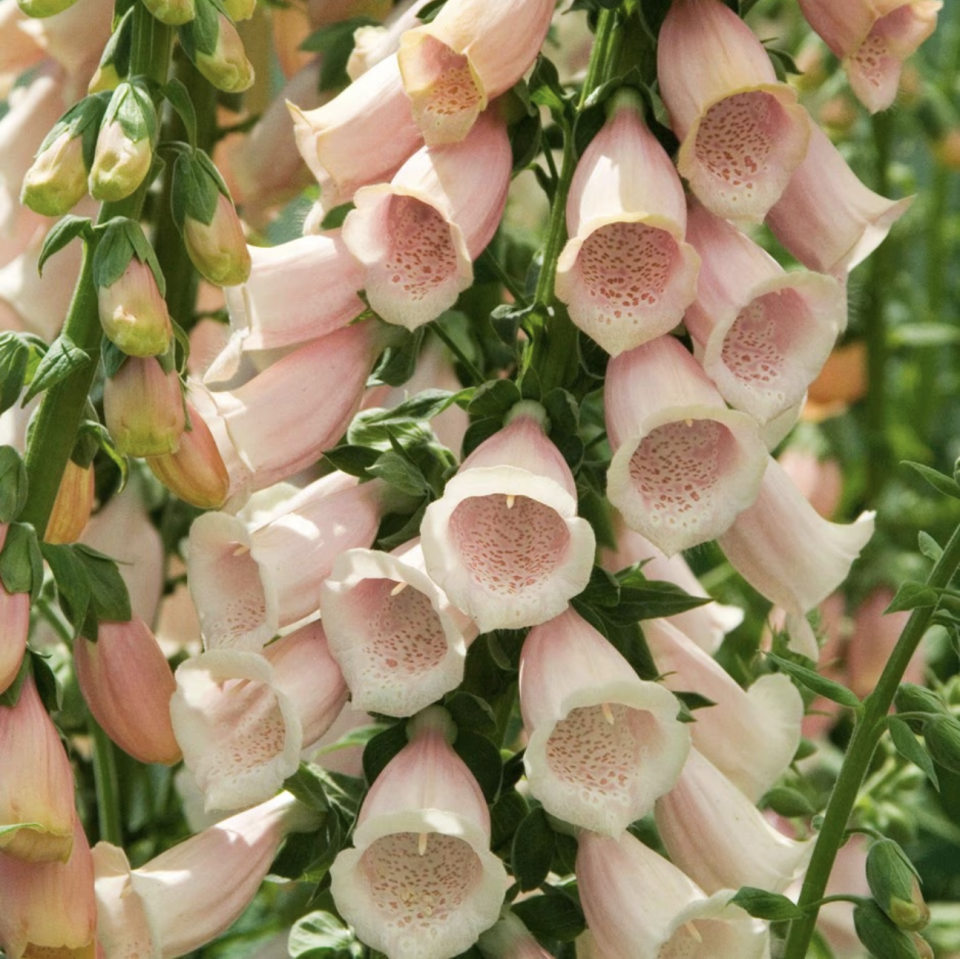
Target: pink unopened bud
x=218, y=249
x=120, y=164
x=37, y=785
x=743, y=133
x=133, y=312
x=683, y=465
x=71, y=508
x=143, y=408
x=127, y=684
x=58, y=178
x=626, y=273
x=603, y=743
x=421, y=880
x=14, y=628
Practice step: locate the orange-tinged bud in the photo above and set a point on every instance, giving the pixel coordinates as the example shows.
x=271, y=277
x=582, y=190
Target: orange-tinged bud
x=218, y=249
x=133, y=313
x=71, y=508
x=144, y=408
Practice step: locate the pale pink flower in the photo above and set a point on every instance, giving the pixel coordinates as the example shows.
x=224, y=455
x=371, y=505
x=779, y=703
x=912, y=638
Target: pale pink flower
x=762, y=334
x=133, y=312
x=188, y=895
x=750, y=735
x=75, y=39
x=416, y=237
x=17, y=52
x=872, y=38
x=471, y=52
x=820, y=480
x=249, y=580
x=790, y=554
x=14, y=627
x=504, y=542
x=421, y=881
x=71, y=508
x=826, y=217
x=626, y=273
x=603, y=744
x=242, y=718
x=742, y=133
x=361, y=136
x=371, y=44
x=640, y=906
x=683, y=464
x=36, y=787
x=127, y=683
x=719, y=838
x=49, y=907
x=400, y=642
x=872, y=640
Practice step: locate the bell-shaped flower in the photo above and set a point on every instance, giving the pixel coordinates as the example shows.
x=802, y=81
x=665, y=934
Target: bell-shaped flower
x=762, y=334
x=242, y=718
x=189, y=894
x=504, y=542
x=820, y=480
x=133, y=312
x=36, y=787
x=715, y=834
x=249, y=581
x=640, y=906
x=749, y=735
x=786, y=551
x=626, y=273
x=71, y=508
x=361, y=136
x=706, y=625
x=603, y=744
x=683, y=464
x=872, y=39
x=127, y=683
x=399, y=641
x=471, y=52
x=827, y=218
x=143, y=408
x=49, y=908
x=416, y=237
x=742, y=133
x=14, y=628
x=421, y=881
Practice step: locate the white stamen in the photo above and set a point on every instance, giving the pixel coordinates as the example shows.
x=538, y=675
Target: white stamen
x=398, y=589
x=693, y=931
x=241, y=550
x=608, y=713
x=422, y=844
x=511, y=499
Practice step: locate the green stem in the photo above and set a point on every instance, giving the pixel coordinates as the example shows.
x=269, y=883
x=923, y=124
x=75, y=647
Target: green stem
x=109, y=818
x=506, y=280
x=866, y=734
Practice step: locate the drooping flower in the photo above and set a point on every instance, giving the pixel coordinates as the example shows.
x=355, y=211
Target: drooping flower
x=683, y=464
x=603, y=743
x=742, y=133
x=626, y=274
x=133, y=312
x=421, y=882
x=14, y=628
x=143, y=408
x=71, y=508
x=504, y=542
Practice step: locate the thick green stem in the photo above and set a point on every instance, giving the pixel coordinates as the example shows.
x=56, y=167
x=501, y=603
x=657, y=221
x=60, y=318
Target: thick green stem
x=109, y=818
x=866, y=734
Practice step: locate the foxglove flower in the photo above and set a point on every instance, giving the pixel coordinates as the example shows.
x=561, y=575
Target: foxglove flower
x=375, y=43
x=640, y=906
x=719, y=838
x=417, y=236
x=249, y=581
x=127, y=683
x=188, y=895
x=504, y=542
x=742, y=133
x=762, y=334
x=14, y=628
x=399, y=641
x=243, y=718
x=71, y=508
x=872, y=39
x=683, y=464
x=603, y=743
x=626, y=273
x=471, y=52
x=421, y=882
x=826, y=217
x=790, y=554
x=751, y=735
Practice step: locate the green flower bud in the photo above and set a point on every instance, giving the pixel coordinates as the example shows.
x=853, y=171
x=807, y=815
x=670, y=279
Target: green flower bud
x=211, y=41
x=124, y=151
x=133, y=314
x=143, y=407
x=240, y=9
x=881, y=937
x=57, y=181
x=942, y=736
x=44, y=8
x=896, y=886
x=175, y=13
x=911, y=698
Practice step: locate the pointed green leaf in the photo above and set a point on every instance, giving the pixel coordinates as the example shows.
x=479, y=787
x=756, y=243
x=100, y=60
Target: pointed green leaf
x=13, y=484
x=554, y=916
x=60, y=234
x=907, y=744
x=913, y=596
x=21, y=564
x=940, y=482
x=14, y=356
x=63, y=359
x=179, y=98
x=929, y=546
x=827, y=688
x=532, y=852
x=766, y=905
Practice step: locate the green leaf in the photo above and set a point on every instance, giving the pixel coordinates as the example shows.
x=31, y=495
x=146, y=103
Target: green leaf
x=494, y=398
x=912, y=596
x=335, y=42
x=506, y=814
x=178, y=96
x=399, y=472
x=14, y=356
x=333, y=219
x=942, y=736
x=13, y=484
x=355, y=460
x=111, y=600
x=554, y=916
x=307, y=784
x=73, y=583
x=653, y=600
x=63, y=359
x=546, y=90
x=398, y=362
x=693, y=701
x=194, y=192
x=827, y=688
x=428, y=12
x=532, y=852
x=21, y=563
x=319, y=935
x=483, y=760
x=61, y=233
x=382, y=748
x=200, y=35
x=6, y=830
x=471, y=712
x=788, y=802
x=940, y=482
x=929, y=546
x=766, y=905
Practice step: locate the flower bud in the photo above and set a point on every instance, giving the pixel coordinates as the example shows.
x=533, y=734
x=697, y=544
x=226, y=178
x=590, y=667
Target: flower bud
x=942, y=736
x=58, y=178
x=881, y=937
x=71, y=508
x=124, y=150
x=133, y=312
x=240, y=9
x=44, y=8
x=211, y=41
x=14, y=628
x=218, y=248
x=911, y=698
x=896, y=886
x=172, y=12
x=144, y=408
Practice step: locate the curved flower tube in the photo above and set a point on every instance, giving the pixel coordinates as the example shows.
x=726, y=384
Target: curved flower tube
x=683, y=465
x=14, y=627
x=603, y=743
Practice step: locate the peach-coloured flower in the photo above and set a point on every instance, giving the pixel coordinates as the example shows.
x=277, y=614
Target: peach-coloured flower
x=127, y=683
x=742, y=133
x=421, y=881
x=762, y=334
x=218, y=248
x=143, y=408
x=400, y=642
x=416, y=237
x=471, y=52
x=683, y=464
x=504, y=542
x=603, y=743
x=626, y=274
x=820, y=480
x=14, y=627
x=71, y=508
